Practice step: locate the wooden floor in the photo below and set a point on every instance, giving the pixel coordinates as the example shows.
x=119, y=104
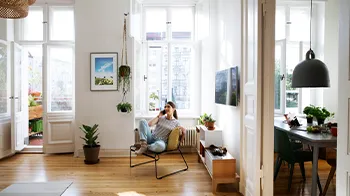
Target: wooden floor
x=112, y=176
x=298, y=186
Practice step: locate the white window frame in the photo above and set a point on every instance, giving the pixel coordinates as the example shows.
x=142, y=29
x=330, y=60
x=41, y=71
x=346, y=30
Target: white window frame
x=19, y=38
x=301, y=99
x=170, y=42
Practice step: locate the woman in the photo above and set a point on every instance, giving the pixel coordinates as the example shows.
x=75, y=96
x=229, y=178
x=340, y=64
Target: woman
x=165, y=123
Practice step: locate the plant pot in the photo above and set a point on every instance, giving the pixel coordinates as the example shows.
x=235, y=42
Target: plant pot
x=124, y=71
x=211, y=125
x=123, y=110
x=309, y=120
x=91, y=154
x=320, y=121
x=334, y=131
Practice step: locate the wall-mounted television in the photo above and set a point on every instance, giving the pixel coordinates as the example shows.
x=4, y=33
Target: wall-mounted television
x=227, y=86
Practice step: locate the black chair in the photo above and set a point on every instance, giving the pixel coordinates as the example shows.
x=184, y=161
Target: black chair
x=155, y=156
x=286, y=152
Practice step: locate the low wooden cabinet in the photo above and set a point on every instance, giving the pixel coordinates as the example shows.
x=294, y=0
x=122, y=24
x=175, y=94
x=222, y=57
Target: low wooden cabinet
x=222, y=169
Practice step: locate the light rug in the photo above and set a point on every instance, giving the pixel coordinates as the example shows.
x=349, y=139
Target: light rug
x=36, y=189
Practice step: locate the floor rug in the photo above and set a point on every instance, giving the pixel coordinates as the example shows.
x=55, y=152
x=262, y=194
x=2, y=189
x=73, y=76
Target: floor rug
x=56, y=188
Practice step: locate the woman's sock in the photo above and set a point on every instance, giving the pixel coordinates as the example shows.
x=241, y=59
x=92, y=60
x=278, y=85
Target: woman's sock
x=143, y=147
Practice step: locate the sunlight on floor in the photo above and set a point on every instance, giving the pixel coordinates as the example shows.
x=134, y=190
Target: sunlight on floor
x=130, y=193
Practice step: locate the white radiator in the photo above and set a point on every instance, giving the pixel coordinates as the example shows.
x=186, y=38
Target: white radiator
x=190, y=138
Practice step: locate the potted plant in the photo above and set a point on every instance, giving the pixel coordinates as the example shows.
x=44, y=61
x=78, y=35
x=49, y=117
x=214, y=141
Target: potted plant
x=91, y=147
x=309, y=111
x=124, y=107
x=211, y=123
x=202, y=118
x=321, y=114
x=124, y=77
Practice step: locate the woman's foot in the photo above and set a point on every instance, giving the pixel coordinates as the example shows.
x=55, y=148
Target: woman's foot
x=142, y=149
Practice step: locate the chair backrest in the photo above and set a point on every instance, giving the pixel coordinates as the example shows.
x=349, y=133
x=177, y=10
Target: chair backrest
x=174, y=139
x=283, y=145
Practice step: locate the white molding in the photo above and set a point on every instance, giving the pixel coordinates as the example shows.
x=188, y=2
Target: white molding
x=58, y=148
x=66, y=2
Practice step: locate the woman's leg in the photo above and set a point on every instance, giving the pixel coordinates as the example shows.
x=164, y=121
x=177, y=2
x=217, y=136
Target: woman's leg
x=157, y=146
x=145, y=136
x=145, y=131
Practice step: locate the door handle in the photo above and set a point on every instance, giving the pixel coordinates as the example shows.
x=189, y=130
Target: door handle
x=16, y=97
x=11, y=97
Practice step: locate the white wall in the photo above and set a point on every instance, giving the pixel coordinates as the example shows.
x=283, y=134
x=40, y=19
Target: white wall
x=99, y=28
x=331, y=45
x=228, y=55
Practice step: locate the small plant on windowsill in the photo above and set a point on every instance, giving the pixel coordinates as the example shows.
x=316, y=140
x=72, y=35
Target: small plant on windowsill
x=124, y=107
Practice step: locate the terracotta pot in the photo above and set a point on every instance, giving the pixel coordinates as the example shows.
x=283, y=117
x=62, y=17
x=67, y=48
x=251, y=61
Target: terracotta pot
x=124, y=71
x=91, y=154
x=211, y=125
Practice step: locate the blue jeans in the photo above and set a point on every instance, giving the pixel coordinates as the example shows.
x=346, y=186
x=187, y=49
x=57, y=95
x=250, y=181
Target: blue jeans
x=155, y=145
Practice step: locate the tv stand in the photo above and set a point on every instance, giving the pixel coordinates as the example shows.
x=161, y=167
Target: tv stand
x=222, y=169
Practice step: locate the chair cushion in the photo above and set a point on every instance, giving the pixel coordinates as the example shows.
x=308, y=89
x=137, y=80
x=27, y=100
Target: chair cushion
x=173, y=140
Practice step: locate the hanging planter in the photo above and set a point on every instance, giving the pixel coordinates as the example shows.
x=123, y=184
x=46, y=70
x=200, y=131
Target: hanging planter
x=124, y=71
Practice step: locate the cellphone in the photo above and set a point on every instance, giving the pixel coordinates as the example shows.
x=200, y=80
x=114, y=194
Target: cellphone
x=163, y=112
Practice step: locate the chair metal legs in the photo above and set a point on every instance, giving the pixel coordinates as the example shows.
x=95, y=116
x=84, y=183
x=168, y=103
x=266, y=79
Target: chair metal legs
x=177, y=171
x=155, y=158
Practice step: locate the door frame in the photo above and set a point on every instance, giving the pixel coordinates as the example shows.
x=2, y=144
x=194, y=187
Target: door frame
x=268, y=96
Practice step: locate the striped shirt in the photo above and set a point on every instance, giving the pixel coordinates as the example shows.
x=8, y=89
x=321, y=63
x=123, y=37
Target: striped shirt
x=164, y=127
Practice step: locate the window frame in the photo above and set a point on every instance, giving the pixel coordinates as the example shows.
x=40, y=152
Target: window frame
x=47, y=43
x=170, y=42
x=283, y=69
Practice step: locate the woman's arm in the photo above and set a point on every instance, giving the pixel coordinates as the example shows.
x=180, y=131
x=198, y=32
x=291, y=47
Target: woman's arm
x=155, y=120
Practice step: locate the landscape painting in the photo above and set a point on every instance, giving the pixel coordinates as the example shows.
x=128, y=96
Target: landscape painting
x=104, y=68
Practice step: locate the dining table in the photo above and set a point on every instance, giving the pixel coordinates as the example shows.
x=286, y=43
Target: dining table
x=315, y=140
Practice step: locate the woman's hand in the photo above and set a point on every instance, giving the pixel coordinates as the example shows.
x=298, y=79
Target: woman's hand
x=155, y=120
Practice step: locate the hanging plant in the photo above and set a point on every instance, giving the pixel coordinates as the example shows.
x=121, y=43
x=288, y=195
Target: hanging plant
x=124, y=71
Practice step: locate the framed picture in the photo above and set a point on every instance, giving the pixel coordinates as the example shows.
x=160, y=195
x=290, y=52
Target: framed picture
x=104, y=69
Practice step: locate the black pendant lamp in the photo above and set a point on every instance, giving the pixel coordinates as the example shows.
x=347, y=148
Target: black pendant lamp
x=311, y=72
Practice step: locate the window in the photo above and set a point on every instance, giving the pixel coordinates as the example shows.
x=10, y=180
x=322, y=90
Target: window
x=169, y=57
x=48, y=32
x=292, y=43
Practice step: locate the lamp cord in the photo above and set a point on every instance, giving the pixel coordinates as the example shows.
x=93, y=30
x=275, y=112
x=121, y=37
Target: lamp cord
x=310, y=24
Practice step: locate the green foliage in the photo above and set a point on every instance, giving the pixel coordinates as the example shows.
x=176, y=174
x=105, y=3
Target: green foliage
x=103, y=81
x=31, y=101
x=124, y=107
x=153, y=96
x=202, y=118
x=318, y=112
x=309, y=111
x=91, y=135
x=206, y=118
x=124, y=77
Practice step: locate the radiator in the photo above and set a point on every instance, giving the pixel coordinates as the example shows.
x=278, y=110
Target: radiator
x=190, y=138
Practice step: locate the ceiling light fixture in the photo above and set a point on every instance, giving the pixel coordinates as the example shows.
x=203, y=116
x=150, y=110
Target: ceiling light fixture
x=14, y=9
x=311, y=72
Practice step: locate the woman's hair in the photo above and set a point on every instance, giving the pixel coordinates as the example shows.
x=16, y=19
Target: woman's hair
x=172, y=104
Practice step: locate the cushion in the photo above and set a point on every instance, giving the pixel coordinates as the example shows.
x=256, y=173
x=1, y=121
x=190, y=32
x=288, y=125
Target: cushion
x=173, y=140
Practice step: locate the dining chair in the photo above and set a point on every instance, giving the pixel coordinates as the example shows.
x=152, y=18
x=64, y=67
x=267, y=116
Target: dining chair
x=286, y=152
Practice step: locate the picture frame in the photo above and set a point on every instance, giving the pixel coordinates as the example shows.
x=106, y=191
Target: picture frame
x=103, y=71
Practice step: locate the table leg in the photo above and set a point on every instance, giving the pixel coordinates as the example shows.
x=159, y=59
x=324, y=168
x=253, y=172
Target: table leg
x=314, y=171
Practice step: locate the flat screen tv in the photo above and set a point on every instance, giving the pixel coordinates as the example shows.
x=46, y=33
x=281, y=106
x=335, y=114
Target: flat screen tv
x=227, y=87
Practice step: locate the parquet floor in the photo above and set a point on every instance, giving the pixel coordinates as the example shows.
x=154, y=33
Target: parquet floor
x=112, y=176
